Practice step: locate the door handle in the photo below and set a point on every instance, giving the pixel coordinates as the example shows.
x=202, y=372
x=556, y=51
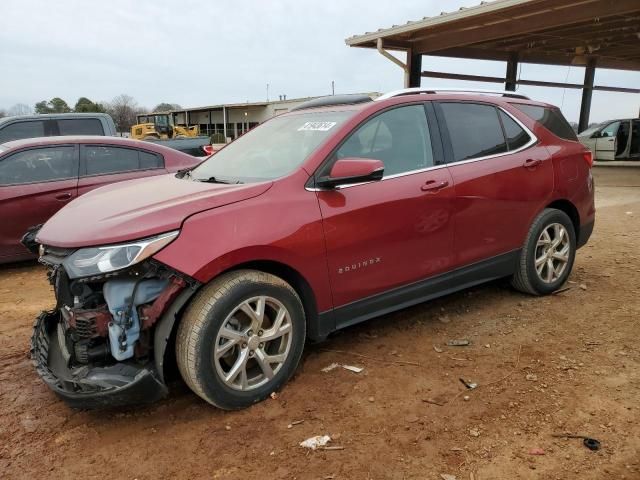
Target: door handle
x=530, y=163
x=63, y=196
x=433, y=186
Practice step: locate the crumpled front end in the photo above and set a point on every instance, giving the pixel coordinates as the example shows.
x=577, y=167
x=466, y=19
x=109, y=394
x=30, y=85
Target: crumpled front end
x=95, y=385
x=96, y=349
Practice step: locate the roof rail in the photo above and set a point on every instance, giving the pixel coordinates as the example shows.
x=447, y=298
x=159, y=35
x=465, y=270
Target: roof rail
x=415, y=90
x=348, y=99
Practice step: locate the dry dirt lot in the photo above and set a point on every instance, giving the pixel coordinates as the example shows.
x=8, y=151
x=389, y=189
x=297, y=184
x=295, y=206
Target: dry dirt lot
x=564, y=363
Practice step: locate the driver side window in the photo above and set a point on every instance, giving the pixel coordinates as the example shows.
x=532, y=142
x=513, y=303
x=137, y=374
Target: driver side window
x=399, y=138
x=610, y=130
x=39, y=165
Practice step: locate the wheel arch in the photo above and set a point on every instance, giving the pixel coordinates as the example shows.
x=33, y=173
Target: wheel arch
x=164, y=334
x=570, y=209
x=294, y=278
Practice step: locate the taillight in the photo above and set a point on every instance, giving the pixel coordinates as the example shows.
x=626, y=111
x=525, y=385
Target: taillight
x=208, y=149
x=588, y=157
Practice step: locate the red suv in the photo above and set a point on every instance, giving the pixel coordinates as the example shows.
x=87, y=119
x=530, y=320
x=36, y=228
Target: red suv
x=342, y=210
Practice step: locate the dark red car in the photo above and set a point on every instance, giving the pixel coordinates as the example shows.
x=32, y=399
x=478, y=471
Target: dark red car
x=38, y=176
x=340, y=211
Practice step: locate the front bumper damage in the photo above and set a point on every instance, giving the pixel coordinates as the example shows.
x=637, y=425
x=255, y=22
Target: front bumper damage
x=104, y=344
x=88, y=386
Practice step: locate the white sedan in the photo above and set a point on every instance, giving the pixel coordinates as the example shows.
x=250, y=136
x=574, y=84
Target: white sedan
x=613, y=140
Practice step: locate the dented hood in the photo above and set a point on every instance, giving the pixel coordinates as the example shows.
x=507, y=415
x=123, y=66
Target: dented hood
x=138, y=208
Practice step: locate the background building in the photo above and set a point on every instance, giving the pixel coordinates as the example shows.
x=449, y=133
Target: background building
x=233, y=119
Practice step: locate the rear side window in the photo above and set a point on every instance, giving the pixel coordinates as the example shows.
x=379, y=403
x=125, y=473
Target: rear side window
x=39, y=165
x=104, y=159
x=516, y=136
x=551, y=118
x=20, y=130
x=80, y=126
x=474, y=130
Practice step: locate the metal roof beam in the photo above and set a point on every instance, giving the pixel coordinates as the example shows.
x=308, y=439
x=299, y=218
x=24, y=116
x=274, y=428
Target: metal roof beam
x=540, y=57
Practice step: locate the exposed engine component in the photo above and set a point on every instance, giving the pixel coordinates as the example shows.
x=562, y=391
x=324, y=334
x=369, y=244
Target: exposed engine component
x=88, y=323
x=85, y=351
x=123, y=296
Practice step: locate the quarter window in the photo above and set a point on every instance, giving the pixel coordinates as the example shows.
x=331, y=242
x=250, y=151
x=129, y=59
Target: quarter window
x=399, y=138
x=516, y=136
x=474, y=130
x=104, y=159
x=551, y=118
x=39, y=165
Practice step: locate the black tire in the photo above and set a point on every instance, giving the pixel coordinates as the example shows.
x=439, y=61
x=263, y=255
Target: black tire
x=205, y=317
x=526, y=278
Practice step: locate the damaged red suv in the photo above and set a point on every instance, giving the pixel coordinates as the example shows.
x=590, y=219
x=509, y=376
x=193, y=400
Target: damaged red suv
x=339, y=211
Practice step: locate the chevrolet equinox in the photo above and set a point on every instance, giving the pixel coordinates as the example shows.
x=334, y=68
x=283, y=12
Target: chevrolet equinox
x=339, y=211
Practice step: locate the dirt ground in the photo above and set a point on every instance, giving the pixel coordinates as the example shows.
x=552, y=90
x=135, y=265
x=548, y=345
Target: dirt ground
x=564, y=363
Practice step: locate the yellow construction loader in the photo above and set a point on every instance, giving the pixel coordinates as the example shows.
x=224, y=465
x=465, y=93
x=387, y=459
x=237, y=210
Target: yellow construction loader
x=159, y=126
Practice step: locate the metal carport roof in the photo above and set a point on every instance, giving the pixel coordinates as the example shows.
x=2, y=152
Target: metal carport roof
x=591, y=33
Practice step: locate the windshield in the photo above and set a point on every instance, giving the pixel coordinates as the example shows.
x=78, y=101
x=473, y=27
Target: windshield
x=162, y=120
x=272, y=149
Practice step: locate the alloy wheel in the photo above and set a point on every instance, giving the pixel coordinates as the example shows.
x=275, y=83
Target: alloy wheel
x=253, y=343
x=552, y=252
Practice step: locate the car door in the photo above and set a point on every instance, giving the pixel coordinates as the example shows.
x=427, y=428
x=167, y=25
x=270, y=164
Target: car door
x=606, y=142
x=34, y=184
x=385, y=234
x=502, y=179
x=102, y=164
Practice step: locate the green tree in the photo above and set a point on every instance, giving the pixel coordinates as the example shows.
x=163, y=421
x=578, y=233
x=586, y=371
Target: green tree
x=42, y=107
x=2, y=113
x=84, y=105
x=58, y=105
x=55, y=105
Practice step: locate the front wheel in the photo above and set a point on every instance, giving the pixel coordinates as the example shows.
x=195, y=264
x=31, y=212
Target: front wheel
x=548, y=254
x=241, y=338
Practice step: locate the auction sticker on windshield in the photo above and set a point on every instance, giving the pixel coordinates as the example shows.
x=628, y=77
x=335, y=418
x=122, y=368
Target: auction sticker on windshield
x=317, y=126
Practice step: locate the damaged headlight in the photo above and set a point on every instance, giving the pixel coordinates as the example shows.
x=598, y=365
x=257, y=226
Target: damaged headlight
x=109, y=258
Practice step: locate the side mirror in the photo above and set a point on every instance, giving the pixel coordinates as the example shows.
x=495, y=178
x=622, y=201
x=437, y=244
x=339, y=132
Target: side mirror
x=352, y=170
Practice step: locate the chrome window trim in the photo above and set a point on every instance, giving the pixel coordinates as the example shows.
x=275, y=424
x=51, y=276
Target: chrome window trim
x=533, y=140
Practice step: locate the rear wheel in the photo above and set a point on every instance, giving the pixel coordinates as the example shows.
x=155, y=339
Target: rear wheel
x=241, y=339
x=548, y=254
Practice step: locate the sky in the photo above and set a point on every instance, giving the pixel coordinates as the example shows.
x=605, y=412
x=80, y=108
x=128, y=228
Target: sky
x=197, y=53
